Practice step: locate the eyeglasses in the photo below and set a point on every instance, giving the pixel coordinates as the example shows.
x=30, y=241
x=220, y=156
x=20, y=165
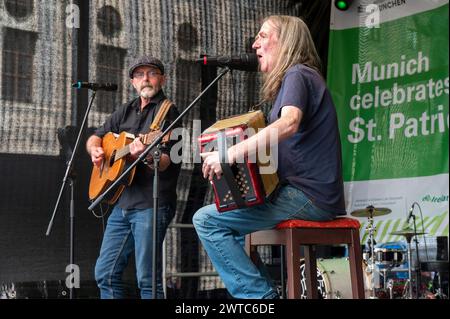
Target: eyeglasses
x=150, y=74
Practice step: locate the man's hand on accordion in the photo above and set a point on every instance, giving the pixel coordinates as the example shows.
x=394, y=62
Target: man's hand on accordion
x=211, y=164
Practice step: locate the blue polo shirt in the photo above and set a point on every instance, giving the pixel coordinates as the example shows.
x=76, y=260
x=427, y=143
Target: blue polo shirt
x=311, y=159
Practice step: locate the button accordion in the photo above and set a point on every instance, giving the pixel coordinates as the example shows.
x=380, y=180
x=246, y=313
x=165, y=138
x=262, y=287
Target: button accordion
x=242, y=184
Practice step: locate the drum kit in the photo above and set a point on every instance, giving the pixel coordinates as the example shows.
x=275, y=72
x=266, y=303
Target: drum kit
x=386, y=259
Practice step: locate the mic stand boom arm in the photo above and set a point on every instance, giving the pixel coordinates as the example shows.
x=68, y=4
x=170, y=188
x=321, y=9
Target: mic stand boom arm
x=156, y=141
x=69, y=163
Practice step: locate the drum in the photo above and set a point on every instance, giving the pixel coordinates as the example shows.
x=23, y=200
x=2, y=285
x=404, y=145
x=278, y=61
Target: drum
x=392, y=288
x=333, y=279
x=390, y=254
x=428, y=249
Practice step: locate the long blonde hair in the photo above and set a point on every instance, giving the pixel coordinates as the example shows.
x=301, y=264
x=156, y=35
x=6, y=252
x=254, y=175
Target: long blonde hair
x=295, y=46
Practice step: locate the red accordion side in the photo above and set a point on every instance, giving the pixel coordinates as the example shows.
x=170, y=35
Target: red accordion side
x=252, y=186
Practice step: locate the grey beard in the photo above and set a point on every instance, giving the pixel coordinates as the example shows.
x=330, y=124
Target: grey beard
x=147, y=94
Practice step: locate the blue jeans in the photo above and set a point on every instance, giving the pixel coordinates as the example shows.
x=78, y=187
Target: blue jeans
x=222, y=237
x=128, y=231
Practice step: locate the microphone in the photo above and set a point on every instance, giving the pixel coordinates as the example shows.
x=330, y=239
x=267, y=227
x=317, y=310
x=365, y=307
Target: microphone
x=95, y=86
x=410, y=213
x=244, y=61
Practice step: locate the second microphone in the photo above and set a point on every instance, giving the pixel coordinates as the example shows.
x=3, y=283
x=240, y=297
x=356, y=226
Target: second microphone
x=95, y=86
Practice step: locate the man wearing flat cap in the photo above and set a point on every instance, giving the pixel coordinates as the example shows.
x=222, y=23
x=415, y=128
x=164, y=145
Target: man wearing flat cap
x=129, y=227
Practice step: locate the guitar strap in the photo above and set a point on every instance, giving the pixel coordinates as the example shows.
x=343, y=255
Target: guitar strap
x=161, y=115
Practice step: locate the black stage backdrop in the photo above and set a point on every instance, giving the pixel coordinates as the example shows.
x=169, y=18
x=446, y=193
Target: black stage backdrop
x=43, y=50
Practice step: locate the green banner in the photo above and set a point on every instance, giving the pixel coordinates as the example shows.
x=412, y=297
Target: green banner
x=388, y=75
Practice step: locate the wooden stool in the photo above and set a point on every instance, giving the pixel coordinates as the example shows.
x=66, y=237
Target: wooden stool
x=295, y=233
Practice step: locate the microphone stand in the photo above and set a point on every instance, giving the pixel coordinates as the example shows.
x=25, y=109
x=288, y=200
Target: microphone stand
x=69, y=176
x=156, y=176
x=418, y=270
x=156, y=159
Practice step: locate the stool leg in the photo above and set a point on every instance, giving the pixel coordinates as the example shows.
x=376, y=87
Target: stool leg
x=311, y=272
x=293, y=265
x=356, y=271
x=248, y=243
x=282, y=263
x=251, y=250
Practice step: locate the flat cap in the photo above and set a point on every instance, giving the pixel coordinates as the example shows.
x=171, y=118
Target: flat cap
x=145, y=60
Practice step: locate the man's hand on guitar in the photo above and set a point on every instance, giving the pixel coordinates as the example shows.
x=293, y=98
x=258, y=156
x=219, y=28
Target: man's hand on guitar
x=97, y=155
x=136, y=147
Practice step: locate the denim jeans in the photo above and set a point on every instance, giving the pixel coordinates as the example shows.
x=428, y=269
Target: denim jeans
x=222, y=237
x=128, y=231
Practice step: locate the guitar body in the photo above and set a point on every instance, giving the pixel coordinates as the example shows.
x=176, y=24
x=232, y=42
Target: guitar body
x=102, y=177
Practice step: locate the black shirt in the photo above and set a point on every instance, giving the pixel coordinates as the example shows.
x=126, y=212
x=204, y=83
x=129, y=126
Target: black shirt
x=130, y=118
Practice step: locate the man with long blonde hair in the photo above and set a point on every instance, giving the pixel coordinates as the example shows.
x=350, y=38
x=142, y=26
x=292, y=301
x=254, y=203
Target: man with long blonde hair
x=304, y=121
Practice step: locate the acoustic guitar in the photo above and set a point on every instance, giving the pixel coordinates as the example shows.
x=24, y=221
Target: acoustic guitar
x=116, y=148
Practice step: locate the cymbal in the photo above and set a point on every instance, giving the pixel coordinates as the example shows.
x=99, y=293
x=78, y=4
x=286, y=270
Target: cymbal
x=407, y=232
x=371, y=211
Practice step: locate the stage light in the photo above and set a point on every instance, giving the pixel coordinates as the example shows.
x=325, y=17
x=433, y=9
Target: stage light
x=343, y=4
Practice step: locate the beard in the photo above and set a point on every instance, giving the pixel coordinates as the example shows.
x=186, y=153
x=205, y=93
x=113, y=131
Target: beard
x=148, y=91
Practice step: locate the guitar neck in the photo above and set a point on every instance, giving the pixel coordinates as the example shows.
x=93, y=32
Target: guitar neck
x=146, y=139
x=124, y=151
